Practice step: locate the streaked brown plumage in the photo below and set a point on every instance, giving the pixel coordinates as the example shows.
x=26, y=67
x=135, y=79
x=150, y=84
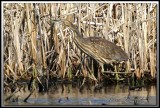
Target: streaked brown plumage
x=98, y=48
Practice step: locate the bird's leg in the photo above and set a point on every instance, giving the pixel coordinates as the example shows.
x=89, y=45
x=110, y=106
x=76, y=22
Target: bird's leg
x=100, y=71
x=102, y=68
x=117, y=77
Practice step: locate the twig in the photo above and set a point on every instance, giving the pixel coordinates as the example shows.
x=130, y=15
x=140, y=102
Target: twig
x=117, y=72
x=25, y=100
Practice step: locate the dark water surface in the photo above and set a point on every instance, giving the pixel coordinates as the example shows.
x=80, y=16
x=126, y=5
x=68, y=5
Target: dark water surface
x=110, y=95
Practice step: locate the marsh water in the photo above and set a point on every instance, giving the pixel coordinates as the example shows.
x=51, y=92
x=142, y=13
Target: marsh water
x=109, y=95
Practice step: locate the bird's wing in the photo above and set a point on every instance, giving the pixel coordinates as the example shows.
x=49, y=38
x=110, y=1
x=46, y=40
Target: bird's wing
x=106, y=49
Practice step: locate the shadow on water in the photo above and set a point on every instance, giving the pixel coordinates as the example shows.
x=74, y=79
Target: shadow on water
x=72, y=95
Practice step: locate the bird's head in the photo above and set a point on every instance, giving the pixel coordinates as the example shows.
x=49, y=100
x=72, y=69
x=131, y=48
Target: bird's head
x=66, y=23
x=63, y=21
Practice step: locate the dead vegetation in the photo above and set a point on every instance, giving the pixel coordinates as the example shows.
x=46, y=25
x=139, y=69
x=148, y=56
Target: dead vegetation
x=34, y=46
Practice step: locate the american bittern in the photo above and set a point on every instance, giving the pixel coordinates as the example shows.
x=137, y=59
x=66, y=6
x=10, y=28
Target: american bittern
x=101, y=50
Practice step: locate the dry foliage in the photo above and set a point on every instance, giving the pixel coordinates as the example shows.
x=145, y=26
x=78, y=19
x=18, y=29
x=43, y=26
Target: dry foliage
x=30, y=37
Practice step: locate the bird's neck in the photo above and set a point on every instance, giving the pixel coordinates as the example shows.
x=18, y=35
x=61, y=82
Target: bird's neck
x=78, y=36
x=78, y=39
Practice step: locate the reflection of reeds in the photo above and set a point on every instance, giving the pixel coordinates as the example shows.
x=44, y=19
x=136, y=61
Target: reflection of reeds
x=137, y=100
x=29, y=34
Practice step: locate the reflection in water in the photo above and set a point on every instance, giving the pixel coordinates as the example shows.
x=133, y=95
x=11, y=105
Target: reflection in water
x=70, y=95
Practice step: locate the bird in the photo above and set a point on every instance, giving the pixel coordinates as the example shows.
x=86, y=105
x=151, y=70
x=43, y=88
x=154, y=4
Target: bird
x=102, y=50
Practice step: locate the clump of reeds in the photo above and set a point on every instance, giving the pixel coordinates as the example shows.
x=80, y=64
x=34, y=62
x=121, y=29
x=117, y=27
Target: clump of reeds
x=32, y=41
